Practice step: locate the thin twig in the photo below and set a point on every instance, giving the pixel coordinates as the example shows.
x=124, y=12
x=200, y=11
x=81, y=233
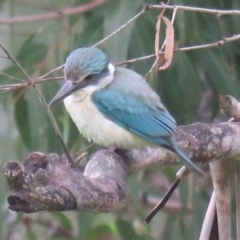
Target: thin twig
x=40, y=80
x=53, y=70
x=54, y=14
x=219, y=43
x=9, y=76
x=144, y=9
x=209, y=45
x=196, y=9
x=163, y=201
x=45, y=105
x=136, y=59
x=11, y=58
x=6, y=88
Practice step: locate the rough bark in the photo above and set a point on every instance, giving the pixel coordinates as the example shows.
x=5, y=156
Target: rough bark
x=47, y=182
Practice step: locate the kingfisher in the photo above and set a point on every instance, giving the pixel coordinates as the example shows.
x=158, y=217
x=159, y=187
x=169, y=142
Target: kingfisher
x=115, y=106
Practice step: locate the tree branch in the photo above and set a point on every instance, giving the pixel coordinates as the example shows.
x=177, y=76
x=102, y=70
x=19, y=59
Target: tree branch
x=218, y=12
x=219, y=43
x=51, y=15
x=47, y=182
x=221, y=176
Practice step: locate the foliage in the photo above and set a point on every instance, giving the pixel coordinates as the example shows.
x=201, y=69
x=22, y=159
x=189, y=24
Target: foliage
x=190, y=88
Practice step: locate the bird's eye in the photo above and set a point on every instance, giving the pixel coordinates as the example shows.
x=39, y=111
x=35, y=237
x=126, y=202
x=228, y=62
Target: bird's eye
x=88, y=77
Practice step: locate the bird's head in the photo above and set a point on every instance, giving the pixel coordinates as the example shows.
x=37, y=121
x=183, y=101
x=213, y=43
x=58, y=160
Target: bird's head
x=86, y=69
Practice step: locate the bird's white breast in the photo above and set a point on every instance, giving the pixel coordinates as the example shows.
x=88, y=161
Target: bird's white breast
x=95, y=127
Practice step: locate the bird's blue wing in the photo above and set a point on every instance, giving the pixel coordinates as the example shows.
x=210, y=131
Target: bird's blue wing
x=153, y=124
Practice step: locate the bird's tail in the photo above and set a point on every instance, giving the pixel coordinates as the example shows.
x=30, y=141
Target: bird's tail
x=186, y=160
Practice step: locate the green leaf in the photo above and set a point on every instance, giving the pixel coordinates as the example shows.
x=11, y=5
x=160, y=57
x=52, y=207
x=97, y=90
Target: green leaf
x=30, y=54
x=126, y=231
x=33, y=123
x=64, y=220
x=22, y=120
x=100, y=231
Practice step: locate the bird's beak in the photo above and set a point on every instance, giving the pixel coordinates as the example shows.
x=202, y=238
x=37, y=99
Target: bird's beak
x=67, y=88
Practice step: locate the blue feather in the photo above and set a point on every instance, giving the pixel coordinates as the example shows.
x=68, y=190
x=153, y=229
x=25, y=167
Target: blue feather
x=154, y=125
x=131, y=103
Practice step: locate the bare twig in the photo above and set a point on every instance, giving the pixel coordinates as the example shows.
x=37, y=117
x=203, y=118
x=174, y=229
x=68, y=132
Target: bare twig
x=53, y=70
x=9, y=76
x=208, y=220
x=53, y=15
x=41, y=80
x=219, y=43
x=197, y=9
x=136, y=59
x=163, y=201
x=209, y=45
x=181, y=173
x=96, y=3
x=144, y=9
x=13, y=60
x=6, y=88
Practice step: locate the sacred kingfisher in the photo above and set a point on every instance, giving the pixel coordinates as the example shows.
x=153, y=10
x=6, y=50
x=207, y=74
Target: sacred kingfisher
x=114, y=106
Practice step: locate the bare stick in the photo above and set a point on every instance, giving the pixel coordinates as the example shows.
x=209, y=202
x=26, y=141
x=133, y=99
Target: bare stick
x=219, y=43
x=209, y=217
x=52, y=15
x=6, y=88
x=136, y=59
x=163, y=201
x=41, y=80
x=209, y=45
x=123, y=26
x=9, y=76
x=45, y=105
x=197, y=9
x=53, y=70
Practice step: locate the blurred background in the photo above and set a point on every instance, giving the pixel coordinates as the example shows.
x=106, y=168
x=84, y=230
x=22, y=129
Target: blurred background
x=190, y=89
